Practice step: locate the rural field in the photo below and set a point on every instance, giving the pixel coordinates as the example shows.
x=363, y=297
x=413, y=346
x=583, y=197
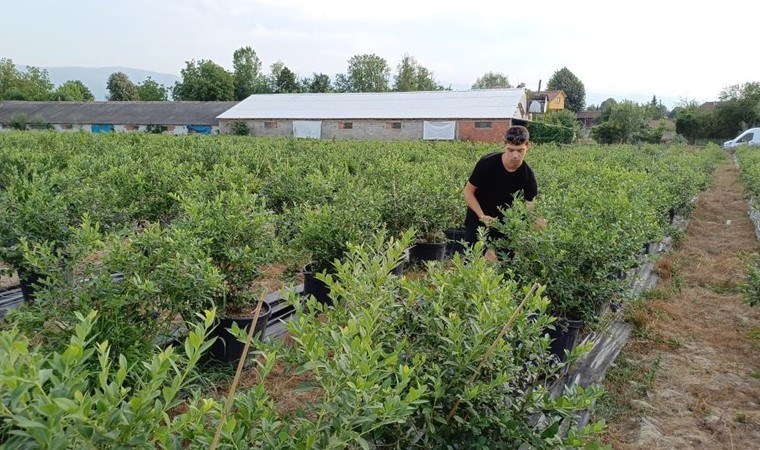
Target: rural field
x=136, y=245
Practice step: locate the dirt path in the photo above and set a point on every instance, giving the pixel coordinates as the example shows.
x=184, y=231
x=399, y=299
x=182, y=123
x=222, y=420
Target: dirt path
x=688, y=377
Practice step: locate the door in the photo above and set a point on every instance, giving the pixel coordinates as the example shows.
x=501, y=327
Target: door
x=307, y=129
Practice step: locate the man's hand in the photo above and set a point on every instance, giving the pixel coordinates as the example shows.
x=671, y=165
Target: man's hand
x=539, y=223
x=487, y=219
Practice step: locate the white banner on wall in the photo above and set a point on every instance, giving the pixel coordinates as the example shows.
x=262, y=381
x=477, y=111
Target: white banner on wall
x=307, y=129
x=439, y=130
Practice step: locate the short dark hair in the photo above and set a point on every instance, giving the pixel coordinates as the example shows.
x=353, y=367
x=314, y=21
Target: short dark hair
x=517, y=134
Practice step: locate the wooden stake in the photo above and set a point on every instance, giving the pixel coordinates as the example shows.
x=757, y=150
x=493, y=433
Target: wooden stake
x=236, y=380
x=493, y=346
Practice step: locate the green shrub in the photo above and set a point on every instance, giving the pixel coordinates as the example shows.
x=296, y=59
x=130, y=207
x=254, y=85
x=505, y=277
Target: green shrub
x=240, y=128
x=440, y=328
x=53, y=400
x=542, y=133
x=163, y=275
x=751, y=286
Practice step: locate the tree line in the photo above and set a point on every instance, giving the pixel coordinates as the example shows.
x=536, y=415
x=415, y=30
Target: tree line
x=205, y=80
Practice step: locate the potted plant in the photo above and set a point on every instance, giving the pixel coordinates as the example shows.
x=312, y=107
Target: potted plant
x=147, y=286
x=32, y=209
x=424, y=201
x=240, y=236
x=325, y=231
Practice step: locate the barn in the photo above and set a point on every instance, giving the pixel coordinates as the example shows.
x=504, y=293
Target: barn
x=97, y=117
x=477, y=115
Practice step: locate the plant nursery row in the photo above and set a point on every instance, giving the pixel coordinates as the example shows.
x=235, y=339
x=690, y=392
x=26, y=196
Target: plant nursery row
x=121, y=240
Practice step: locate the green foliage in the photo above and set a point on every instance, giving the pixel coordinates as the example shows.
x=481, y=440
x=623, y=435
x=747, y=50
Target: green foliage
x=247, y=76
x=492, y=80
x=204, y=81
x=566, y=81
x=622, y=123
x=19, y=122
x=284, y=81
x=73, y=91
x=431, y=336
x=325, y=231
x=150, y=90
x=563, y=118
x=542, y=133
x=164, y=275
x=751, y=286
x=319, y=82
x=31, y=85
x=365, y=73
x=239, y=232
x=411, y=76
x=121, y=88
x=240, y=128
x=54, y=400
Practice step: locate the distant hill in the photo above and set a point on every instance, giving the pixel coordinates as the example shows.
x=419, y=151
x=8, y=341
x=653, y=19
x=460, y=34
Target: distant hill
x=95, y=78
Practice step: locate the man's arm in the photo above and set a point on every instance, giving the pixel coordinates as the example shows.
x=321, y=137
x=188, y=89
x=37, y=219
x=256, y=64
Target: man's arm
x=473, y=204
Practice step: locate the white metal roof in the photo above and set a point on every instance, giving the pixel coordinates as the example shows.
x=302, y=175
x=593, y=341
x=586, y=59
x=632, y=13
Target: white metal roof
x=476, y=104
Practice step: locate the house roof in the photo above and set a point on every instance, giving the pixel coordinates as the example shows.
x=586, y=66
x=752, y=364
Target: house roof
x=710, y=105
x=588, y=114
x=551, y=95
x=116, y=113
x=475, y=104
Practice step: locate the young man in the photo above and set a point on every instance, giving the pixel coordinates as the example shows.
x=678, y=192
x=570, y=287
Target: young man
x=495, y=180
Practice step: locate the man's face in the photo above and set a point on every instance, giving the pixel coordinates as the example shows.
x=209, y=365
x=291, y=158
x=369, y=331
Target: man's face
x=514, y=154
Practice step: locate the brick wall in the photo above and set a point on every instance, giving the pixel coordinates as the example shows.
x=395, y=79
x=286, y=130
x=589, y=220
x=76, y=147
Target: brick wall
x=468, y=131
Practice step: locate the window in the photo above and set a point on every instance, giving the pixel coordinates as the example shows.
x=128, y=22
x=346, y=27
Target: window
x=270, y=125
x=67, y=126
x=393, y=125
x=346, y=125
x=746, y=138
x=483, y=125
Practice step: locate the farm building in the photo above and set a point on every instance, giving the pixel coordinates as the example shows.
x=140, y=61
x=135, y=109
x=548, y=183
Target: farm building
x=544, y=101
x=478, y=115
x=98, y=117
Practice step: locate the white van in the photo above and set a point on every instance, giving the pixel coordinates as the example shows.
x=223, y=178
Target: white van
x=749, y=137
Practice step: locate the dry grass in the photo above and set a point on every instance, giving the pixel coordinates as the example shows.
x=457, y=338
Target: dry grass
x=697, y=332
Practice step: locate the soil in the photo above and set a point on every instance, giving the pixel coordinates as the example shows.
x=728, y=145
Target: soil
x=694, y=360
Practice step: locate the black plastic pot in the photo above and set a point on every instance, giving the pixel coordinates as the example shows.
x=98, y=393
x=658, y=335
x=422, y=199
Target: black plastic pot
x=428, y=251
x=226, y=347
x=454, y=238
x=315, y=287
x=564, y=337
x=29, y=281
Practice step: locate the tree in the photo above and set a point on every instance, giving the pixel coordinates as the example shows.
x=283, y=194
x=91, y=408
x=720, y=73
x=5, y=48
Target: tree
x=606, y=108
x=411, y=76
x=566, y=81
x=283, y=80
x=656, y=110
x=150, y=91
x=120, y=88
x=73, y=91
x=626, y=122
x=204, y=81
x=319, y=82
x=366, y=73
x=33, y=84
x=248, y=78
x=492, y=80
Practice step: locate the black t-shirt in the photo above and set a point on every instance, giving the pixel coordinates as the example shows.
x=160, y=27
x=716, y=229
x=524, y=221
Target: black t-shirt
x=496, y=186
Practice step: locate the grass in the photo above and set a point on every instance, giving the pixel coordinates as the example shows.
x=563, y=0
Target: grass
x=628, y=379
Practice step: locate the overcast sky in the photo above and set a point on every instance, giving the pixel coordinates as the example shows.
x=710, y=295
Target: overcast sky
x=672, y=49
